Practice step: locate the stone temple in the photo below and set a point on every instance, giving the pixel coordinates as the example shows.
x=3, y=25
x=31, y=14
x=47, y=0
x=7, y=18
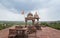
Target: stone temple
x=32, y=17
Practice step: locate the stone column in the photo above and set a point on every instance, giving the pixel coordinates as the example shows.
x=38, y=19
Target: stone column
x=25, y=22
x=38, y=20
x=33, y=22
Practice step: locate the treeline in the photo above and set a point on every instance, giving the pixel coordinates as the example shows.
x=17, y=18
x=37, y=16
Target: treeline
x=6, y=24
x=55, y=25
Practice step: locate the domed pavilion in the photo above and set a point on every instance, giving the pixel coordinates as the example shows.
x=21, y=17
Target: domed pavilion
x=32, y=17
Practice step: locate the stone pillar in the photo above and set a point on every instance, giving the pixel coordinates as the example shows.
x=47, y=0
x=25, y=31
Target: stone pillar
x=33, y=22
x=25, y=22
x=38, y=20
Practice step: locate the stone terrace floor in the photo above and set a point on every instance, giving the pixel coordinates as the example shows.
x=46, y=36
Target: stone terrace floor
x=46, y=32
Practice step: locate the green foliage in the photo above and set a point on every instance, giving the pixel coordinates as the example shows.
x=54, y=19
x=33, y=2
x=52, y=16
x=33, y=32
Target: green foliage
x=55, y=25
x=6, y=24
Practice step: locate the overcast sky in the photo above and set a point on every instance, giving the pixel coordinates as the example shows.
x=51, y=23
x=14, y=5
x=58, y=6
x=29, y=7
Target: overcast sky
x=48, y=10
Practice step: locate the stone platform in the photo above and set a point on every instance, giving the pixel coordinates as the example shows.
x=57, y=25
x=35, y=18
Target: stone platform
x=46, y=32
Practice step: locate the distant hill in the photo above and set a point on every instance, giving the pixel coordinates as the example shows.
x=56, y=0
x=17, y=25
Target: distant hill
x=23, y=21
x=50, y=21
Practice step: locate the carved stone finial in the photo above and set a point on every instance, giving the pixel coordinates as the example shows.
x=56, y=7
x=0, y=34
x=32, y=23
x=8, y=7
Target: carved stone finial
x=36, y=15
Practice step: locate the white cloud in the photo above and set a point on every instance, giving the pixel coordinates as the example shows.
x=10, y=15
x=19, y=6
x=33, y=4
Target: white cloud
x=7, y=15
x=42, y=13
x=47, y=9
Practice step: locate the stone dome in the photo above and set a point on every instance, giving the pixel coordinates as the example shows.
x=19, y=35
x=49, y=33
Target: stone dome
x=30, y=14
